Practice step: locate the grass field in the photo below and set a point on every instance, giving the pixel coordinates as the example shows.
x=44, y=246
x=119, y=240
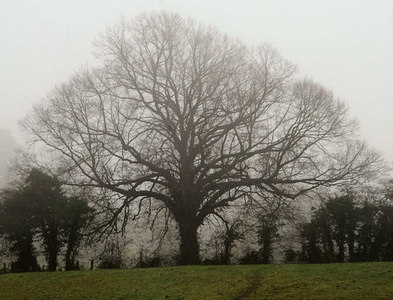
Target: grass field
x=329, y=281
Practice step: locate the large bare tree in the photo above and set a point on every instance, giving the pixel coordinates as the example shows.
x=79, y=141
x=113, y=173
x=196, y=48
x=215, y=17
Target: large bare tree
x=179, y=113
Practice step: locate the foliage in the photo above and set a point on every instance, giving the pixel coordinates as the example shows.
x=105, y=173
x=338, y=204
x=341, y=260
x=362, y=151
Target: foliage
x=226, y=234
x=251, y=257
x=17, y=226
x=267, y=235
x=148, y=261
x=48, y=201
x=290, y=255
x=77, y=215
x=38, y=210
x=112, y=256
x=343, y=230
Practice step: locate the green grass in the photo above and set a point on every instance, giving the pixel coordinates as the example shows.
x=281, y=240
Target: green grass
x=329, y=281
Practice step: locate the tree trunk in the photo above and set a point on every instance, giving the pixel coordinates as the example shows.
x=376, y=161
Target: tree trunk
x=341, y=247
x=69, y=263
x=351, y=247
x=52, y=258
x=52, y=244
x=70, y=252
x=189, y=245
x=341, y=252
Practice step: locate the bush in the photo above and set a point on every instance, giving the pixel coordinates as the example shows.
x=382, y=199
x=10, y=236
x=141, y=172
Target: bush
x=110, y=263
x=290, y=255
x=251, y=258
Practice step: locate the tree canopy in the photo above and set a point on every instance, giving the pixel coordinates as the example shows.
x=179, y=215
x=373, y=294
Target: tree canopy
x=346, y=229
x=39, y=210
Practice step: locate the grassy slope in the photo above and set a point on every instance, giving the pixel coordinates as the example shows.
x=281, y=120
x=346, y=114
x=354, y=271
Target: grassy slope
x=332, y=281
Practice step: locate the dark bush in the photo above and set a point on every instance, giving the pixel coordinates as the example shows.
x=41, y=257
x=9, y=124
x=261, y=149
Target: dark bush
x=251, y=258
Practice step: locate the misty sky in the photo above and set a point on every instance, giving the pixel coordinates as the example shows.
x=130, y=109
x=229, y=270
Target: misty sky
x=347, y=46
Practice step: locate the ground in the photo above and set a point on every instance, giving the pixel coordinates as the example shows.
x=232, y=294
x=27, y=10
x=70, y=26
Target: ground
x=328, y=281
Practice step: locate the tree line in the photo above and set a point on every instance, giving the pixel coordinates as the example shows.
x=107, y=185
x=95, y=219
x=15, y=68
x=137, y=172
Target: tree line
x=38, y=213
x=345, y=230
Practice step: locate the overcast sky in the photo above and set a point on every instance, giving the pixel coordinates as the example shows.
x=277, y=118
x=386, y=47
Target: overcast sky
x=347, y=46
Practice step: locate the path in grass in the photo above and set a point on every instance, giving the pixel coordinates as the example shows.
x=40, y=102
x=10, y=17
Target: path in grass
x=329, y=281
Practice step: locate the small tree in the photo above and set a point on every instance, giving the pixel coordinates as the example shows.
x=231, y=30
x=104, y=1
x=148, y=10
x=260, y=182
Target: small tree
x=344, y=220
x=311, y=251
x=17, y=226
x=48, y=201
x=267, y=235
x=384, y=234
x=367, y=231
x=77, y=216
x=38, y=209
x=112, y=256
x=228, y=232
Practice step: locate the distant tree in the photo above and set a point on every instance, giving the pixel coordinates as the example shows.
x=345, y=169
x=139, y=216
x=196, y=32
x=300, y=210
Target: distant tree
x=251, y=257
x=112, y=254
x=310, y=251
x=344, y=218
x=331, y=231
x=384, y=234
x=148, y=261
x=231, y=235
x=39, y=210
x=231, y=229
x=367, y=232
x=48, y=205
x=77, y=216
x=342, y=229
x=17, y=226
x=267, y=234
x=180, y=114
x=375, y=234
x=290, y=255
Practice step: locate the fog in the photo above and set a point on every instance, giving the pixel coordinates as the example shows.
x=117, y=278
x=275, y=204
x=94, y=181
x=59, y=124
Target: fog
x=345, y=45
x=7, y=153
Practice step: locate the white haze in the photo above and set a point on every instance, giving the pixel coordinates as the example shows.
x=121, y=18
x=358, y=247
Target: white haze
x=345, y=45
x=7, y=153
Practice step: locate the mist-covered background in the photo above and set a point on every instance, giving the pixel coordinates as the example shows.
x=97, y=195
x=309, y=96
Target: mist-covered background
x=345, y=45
